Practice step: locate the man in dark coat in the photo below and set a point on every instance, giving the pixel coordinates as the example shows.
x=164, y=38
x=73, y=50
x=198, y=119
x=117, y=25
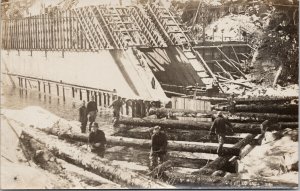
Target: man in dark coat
x=219, y=127
x=97, y=140
x=159, y=142
x=83, y=117
x=117, y=106
x=92, y=111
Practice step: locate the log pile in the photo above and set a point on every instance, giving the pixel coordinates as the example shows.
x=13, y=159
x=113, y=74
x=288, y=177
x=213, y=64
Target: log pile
x=197, y=125
x=91, y=162
x=145, y=143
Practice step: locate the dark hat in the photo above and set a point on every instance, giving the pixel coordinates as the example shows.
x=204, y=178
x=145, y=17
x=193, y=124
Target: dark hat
x=95, y=125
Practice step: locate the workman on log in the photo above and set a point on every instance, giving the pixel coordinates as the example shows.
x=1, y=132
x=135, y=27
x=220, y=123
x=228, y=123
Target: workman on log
x=159, y=142
x=219, y=127
x=83, y=117
x=265, y=125
x=117, y=106
x=92, y=111
x=97, y=140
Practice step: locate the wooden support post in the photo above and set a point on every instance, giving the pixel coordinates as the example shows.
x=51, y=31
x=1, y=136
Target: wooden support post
x=134, y=108
x=105, y=99
x=143, y=108
x=80, y=94
x=110, y=100
x=57, y=89
x=73, y=92
x=96, y=97
x=100, y=98
x=25, y=83
x=44, y=87
x=88, y=95
x=49, y=87
x=39, y=85
x=139, y=108
x=64, y=96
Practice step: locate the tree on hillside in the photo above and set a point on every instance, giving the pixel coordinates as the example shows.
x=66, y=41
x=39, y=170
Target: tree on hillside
x=280, y=43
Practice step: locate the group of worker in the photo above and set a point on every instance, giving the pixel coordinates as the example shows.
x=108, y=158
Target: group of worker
x=159, y=141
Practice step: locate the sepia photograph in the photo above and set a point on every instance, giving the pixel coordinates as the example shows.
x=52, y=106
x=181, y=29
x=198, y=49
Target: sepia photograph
x=149, y=94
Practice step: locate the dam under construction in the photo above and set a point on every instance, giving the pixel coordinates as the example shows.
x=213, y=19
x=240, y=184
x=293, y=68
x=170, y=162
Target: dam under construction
x=136, y=52
x=70, y=52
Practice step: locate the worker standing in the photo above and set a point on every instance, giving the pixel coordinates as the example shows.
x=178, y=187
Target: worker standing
x=117, y=106
x=97, y=140
x=92, y=111
x=219, y=127
x=159, y=142
x=83, y=117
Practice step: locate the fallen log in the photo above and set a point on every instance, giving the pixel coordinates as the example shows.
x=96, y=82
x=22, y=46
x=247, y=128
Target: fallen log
x=176, y=135
x=221, y=161
x=197, y=125
x=274, y=108
x=194, y=181
x=232, y=165
x=91, y=162
x=144, y=143
x=47, y=161
x=265, y=100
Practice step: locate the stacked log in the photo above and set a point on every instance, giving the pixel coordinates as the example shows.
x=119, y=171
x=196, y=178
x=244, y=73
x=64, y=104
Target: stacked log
x=259, y=117
x=266, y=100
x=197, y=125
x=91, y=162
x=291, y=109
x=233, y=117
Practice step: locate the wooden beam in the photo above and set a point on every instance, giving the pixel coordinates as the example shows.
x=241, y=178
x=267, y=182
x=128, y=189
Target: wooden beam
x=220, y=162
x=243, y=75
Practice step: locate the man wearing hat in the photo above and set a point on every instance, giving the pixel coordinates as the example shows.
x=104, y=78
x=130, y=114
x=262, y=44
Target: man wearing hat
x=92, y=110
x=219, y=128
x=159, y=142
x=97, y=140
x=117, y=106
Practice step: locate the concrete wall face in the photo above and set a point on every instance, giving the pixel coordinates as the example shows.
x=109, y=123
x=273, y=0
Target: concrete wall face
x=97, y=70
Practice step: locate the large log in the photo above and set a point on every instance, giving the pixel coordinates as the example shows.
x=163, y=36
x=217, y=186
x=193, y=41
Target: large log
x=145, y=143
x=47, y=161
x=197, y=125
x=195, y=181
x=165, y=112
x=265, y=100
x=259, y=117
x=91, y=162
x=233, y=117
x=221, y=161
x=176, y=135
x=274, y=108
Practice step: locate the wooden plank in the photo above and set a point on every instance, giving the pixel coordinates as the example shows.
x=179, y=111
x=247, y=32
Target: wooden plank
x=243, y=75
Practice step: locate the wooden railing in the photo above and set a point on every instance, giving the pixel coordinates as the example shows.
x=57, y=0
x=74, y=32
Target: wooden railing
x=103, y=98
